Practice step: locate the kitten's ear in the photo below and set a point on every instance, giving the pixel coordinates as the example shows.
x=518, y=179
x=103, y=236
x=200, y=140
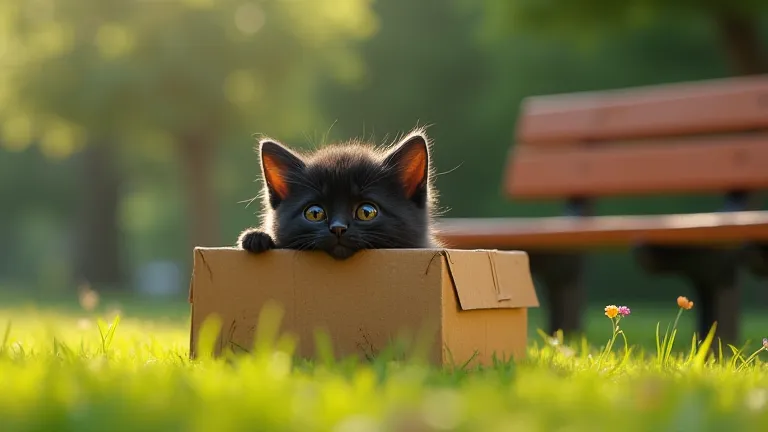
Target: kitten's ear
x=410, y=157
x=277, y=164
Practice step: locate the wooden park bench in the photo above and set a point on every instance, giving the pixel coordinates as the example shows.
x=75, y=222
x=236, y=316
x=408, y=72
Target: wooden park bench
x=702, y=137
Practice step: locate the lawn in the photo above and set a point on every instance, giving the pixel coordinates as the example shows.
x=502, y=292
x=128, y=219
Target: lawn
x=61, y=369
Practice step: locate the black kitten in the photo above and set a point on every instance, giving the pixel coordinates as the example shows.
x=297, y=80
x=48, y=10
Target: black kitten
x=344, y=198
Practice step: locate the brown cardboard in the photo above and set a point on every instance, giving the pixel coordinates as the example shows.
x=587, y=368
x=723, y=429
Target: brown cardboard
x=466, y=300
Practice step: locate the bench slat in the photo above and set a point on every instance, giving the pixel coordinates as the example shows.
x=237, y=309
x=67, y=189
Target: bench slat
x=708, y=106
x=707, y=164
x=574, y=232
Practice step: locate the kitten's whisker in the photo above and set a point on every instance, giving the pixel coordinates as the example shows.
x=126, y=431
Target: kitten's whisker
x=303, y=241
x=366, y=181
x=328, y=132
x=394, y=239
x=372, y=178
x=381, y=239
x=307, y=245
x=304, y=183
x=450, y=170
x=303, y=236
x=308, y=139
x=249, y=202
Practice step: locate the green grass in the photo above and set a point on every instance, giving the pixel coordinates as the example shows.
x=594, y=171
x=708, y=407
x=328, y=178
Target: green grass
x=61, y=369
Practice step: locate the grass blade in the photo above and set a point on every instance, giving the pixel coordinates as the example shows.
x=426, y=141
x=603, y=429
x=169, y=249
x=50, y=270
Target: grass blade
x=6, y=336
x=701, y=355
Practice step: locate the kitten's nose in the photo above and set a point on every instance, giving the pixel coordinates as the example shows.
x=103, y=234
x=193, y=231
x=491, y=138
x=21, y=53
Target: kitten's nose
x=337, y=228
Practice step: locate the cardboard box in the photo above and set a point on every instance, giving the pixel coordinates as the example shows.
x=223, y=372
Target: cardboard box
x=470, y=303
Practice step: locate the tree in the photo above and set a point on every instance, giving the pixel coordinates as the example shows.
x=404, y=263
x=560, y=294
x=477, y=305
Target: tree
x=737, y=23
x=434, y=78
x=102, y=73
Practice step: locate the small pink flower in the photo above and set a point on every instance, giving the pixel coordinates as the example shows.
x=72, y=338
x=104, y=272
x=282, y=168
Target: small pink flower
x=623, y=310
x=765, y=342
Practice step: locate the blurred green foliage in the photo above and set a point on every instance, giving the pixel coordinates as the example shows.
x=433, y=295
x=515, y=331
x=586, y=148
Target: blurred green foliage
x=135, y=121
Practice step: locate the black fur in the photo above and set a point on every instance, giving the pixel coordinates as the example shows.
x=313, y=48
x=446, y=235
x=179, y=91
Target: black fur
x=339, y=178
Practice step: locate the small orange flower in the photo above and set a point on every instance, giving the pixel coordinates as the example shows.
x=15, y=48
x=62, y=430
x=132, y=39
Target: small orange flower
x=611, y=311
x=684, y=303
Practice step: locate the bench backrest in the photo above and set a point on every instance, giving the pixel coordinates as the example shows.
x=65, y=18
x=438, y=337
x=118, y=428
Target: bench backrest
x=706, y=136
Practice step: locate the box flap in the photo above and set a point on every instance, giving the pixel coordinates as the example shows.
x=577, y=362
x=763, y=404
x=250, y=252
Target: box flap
x=491, y=279
x=197, y=254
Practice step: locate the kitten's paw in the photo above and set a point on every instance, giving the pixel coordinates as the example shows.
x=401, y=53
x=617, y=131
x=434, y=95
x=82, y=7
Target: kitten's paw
x=255, y=241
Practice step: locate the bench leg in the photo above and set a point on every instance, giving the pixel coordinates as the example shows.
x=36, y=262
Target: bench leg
x=712, y=273
x=721, y=303
x=562, y=277
x=756, y=259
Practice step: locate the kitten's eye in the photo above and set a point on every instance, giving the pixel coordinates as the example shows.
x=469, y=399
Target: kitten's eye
x=314, y=213
x=366, y=212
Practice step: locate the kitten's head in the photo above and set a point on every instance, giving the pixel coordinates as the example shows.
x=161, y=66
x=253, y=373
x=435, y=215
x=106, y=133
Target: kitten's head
x=348, y=197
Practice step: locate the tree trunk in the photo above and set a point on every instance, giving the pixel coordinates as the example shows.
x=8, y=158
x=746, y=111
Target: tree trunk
x=741, y=40
x=98, y=260
x=202, y=209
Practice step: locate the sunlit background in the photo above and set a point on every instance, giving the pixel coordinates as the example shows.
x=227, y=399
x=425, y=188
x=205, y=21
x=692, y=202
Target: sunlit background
x=127, y=128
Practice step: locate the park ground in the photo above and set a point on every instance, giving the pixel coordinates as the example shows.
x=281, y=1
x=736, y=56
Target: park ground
x=63, y=368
